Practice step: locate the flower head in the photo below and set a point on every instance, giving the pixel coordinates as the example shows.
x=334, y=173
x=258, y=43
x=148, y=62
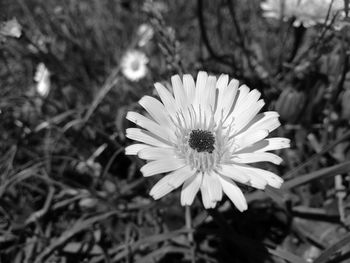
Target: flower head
x=134, y=65
x=305, y=12
x=205, y=137
x=11, y=28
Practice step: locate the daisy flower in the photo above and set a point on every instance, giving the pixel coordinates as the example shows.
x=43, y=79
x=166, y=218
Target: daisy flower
x=204, y=137
x=305, y=12
x=134, y=65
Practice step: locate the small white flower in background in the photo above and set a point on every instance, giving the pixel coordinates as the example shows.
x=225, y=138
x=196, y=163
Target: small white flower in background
x=42, y=78
x=205, y=136
x=134, y=65
x=305, y=12
x=144, y=33
x=10, y=28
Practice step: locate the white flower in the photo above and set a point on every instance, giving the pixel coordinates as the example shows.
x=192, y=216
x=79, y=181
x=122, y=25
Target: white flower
x=144, y=33
x=134, y=65
x=205, y=137
x=11, y=28
x=42, y=77
x=305, y=12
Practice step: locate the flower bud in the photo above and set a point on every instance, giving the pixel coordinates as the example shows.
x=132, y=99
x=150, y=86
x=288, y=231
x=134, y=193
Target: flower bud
x=289, y=104
x=42, y=78
x=144, y=33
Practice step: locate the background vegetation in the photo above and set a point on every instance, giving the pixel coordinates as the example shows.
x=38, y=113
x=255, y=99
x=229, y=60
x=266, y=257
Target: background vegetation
x=69, y=194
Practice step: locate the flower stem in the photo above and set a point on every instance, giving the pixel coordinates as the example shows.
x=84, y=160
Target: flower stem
x=188, y=218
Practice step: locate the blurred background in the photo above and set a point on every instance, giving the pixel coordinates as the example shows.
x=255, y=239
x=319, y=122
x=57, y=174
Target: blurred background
x=69, y=72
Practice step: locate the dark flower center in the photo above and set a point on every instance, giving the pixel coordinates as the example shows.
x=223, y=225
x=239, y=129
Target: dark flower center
x=135, y=65
x=202, y=141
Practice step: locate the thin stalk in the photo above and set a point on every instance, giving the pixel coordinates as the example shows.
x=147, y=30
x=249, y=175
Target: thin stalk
x=188, y=218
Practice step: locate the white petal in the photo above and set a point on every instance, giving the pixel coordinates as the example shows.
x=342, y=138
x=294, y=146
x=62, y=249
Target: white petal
x=162, y=166
x=189, y=86
x=135, y=148
x=145, y=137
x=149, y=125
x=156, y=110
x=250, y=100
x=155, y=153
x=267, y=145
x=234, y=193
x=264, y=121
x=242, y=94
x=171, y=182
x=167, y=99
x=250, y=137
x=190, y=189
x=210, y=94
x=231, y=172
x=272, y=179
x=200, y=88
x=246, y=116
x=182, y=175
x=215, y=189
x=179, y=92
x=161, y=188
x=221, y=86
x=257, y=157
x=255, y=180
x=206, y=199
x=226, y=99
x=222, y=82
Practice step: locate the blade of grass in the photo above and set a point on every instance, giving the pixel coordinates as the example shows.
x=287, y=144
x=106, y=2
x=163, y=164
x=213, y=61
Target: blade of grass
x=327, y=254
x=20, y=176
x=322, y=173
x=123, y=249
x=157, y=254
x=286, y=255
x=79, y=226
x=316, y=156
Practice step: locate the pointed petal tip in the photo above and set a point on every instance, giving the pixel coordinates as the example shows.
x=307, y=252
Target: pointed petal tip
x=242, y=208
x=142, y=100
x=175, y=77
x=277, y=183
